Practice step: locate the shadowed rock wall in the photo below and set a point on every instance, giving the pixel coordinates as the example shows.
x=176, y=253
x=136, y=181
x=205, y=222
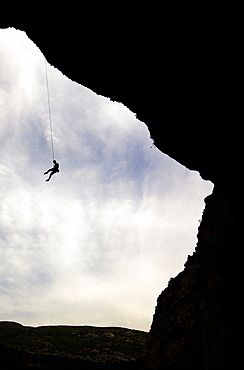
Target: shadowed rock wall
x=198, y=320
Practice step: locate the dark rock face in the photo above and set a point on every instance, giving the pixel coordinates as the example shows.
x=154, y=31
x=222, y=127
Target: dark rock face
x=182, y=81
x=198, y=320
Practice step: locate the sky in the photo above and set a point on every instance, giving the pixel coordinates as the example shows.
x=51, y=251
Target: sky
x=98, y=243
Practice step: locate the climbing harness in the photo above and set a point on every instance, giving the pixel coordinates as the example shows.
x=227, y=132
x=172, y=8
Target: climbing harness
x=49, y=110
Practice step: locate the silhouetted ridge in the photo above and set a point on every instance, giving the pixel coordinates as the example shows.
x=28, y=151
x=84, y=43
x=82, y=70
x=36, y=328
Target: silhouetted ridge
x=70, y=347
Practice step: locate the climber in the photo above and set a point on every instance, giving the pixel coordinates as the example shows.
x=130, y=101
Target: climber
x=53, y=170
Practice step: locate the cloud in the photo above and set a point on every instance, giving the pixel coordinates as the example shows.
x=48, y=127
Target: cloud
x=96, y=244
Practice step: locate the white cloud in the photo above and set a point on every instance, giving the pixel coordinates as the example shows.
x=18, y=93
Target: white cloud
x=96, y=244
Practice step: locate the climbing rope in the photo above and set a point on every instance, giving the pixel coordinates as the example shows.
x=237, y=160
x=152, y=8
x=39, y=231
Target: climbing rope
x=49, y=110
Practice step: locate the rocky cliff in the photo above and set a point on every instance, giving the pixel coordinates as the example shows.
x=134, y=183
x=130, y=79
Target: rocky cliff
x=180, y=75
x=198, y=318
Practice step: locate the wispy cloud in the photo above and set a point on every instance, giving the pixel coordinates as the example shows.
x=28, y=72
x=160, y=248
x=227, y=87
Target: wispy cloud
x=96, y=244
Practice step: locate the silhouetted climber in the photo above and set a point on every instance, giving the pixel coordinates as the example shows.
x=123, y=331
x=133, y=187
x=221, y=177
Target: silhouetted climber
x=53, y=170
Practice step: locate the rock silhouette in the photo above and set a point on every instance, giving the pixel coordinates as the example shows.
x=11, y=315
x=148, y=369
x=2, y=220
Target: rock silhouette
x=70, y=347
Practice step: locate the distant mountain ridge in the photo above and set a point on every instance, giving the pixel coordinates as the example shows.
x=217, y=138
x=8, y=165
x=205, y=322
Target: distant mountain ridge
x=70, y=347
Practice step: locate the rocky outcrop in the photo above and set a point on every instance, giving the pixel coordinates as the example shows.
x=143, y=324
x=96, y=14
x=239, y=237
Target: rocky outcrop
x=198, y=320
x=182, y=81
